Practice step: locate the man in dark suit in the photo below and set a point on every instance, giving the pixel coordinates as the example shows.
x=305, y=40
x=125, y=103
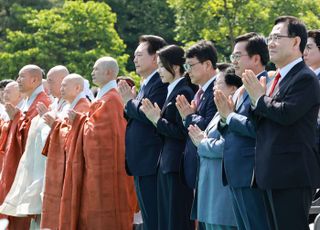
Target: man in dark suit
x=143, y=144
x=201, y=60
x=237, y=128
x=287, y=161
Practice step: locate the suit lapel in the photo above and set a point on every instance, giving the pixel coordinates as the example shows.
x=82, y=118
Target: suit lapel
x=173, y=94
x=244, y=97
x=284, y=85
x=205, y=95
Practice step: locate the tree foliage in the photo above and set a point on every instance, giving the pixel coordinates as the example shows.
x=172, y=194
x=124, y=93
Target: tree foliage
x=74, y=35
x=137, y=17
x=223, y=20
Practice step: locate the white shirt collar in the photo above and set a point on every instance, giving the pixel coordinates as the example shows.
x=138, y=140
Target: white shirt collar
x=145, y=81
x=317, y=71
x=285, y=70
x=172, y=85
x=33, y=96
x=206, y=85
x=21, y=103
x=77, y=99
x=110, y=85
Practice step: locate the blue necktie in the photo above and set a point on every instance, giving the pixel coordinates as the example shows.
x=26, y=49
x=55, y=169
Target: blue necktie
x=141, y=92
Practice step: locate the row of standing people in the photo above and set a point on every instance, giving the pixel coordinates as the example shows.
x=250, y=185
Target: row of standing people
x=263, y=138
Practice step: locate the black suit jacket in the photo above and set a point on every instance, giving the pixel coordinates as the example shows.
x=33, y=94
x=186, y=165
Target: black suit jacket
x=205, y=112
x=286, y=151
x=143, y=143
x=170, y=127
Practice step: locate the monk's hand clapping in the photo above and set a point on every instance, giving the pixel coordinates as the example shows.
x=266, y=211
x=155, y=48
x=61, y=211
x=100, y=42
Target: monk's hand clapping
x=42, y=109
x=254, y=87
x=49, y=118
x=196, y=134
x=184, y=107
x=11, y=110
x=126, y=92
x=224, y=104
x=152, y=111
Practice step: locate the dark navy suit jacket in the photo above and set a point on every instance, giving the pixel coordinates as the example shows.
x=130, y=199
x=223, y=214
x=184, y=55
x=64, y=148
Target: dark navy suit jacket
x=143, y=143
x=172, y=131
x=205, y=112
x=286, y=151
x=239, y=147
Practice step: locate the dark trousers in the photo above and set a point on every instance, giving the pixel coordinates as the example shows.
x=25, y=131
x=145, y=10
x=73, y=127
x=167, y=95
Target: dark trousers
x=288, y=209
x=248, y=206
x=174, y=203
x=146, y=188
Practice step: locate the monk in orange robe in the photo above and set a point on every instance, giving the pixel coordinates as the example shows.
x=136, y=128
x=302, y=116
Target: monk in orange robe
x=12, y=95
x=57, y=151
x=12, y=144
x=106, y=198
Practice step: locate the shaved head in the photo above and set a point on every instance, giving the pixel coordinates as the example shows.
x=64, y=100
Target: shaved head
x=71, y=86
x=104, y=70
x=54, y=79
x=12, y=93
x=30, y=77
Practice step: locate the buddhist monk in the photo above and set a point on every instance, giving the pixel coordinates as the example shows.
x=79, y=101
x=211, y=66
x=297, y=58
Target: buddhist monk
x=13, y=144
x=106, y=198
x=24, y=197
x=58, y=154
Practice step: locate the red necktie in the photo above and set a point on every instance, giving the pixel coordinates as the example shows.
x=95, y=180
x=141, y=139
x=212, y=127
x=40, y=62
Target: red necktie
x=275, y=82
x=197, y=97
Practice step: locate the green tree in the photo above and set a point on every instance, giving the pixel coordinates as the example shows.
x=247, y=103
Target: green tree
x=10, y=19
x=223, y=20
x=137, y=17
x=74, y=35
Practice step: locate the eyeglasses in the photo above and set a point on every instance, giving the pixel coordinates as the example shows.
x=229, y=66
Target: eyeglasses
x=187, y=67
x=236, y=57
x=276, y=37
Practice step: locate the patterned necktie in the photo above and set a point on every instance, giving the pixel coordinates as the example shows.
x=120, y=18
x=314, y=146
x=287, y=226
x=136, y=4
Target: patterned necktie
x=197, y=97
x=275, y=82
x=141, y=92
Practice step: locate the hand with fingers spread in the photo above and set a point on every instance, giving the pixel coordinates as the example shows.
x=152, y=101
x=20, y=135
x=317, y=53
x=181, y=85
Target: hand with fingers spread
x=196, y=134
x=184, y=107
x=255, y=87
x=224, y=105
x=126, y=92
x=11, y=110
x=42, y=109
x=49, y=118
x=151, y=111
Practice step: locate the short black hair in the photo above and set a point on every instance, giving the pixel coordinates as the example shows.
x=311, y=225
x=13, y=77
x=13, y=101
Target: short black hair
x=315, y=34
x=231, y=78
x=172, y=55
x=256, y=45
x=4, y=83
x=295, y=28
x=203, y=51
x=155, y=42
x=223, y=66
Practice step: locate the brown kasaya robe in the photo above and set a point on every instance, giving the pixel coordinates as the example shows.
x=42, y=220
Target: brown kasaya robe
x=56, y=151
x=97, y=193
x=12, y=146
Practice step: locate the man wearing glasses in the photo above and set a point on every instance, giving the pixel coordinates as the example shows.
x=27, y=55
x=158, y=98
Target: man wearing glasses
x=237, y=127
x=287, y=160
x=201, y=60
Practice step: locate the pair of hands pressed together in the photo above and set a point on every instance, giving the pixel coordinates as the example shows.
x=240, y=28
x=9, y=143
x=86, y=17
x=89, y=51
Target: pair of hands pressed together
x=50, y=116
